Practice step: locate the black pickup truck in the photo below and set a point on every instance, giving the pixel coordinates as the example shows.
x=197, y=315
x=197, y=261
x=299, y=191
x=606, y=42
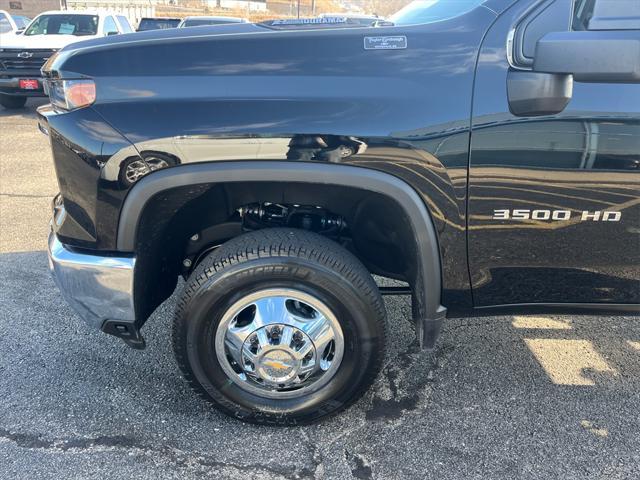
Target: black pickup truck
x=483, y=154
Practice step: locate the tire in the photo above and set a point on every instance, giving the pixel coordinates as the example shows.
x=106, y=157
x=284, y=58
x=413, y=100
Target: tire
x=305, y=276
x=11, y=102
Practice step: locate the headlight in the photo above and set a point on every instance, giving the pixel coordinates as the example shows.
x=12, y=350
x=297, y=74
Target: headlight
x=71, y=94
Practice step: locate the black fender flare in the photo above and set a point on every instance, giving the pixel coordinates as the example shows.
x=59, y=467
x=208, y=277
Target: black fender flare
x=428, y=311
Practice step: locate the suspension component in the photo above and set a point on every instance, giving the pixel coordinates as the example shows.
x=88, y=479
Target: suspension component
x=312, y=218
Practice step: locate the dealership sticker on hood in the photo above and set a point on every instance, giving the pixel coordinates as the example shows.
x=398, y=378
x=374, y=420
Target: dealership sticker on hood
x=397, y=42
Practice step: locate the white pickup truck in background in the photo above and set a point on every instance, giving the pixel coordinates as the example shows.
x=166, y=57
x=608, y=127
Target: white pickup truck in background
x=22, y=55
x=11, y=23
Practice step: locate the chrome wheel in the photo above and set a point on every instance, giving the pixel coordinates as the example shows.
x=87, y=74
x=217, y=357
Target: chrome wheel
x=279, y=343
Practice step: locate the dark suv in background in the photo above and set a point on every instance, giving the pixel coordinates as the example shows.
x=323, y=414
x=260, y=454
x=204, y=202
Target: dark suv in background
x=157, y=23
x=483, y=154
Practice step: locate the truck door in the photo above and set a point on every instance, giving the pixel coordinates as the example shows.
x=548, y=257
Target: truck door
x=554, y=192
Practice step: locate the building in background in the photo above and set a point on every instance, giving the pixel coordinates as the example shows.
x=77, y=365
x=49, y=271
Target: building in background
x=249, y=5
x=137, y=9
x=134, y=10
x=29, y=8
x=308, y=8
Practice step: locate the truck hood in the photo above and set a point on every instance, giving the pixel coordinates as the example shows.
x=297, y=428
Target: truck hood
x=178, y=34
x=40, y=41
x=165, y=34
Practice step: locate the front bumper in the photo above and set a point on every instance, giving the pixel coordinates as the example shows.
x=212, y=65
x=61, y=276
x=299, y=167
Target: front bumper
x=99, y=288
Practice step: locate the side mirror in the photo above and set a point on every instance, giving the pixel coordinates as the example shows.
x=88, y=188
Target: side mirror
x=611, y=56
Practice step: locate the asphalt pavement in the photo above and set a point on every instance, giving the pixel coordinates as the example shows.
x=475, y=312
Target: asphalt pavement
x=500, y=398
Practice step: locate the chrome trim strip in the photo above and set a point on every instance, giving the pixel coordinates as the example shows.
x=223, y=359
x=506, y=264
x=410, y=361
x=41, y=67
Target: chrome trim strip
x=98, y=288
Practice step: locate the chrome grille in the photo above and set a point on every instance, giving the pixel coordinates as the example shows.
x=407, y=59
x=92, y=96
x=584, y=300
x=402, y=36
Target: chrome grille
x=18, y=59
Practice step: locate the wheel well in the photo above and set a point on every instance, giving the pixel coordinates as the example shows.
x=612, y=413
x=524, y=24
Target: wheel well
x=388, y=226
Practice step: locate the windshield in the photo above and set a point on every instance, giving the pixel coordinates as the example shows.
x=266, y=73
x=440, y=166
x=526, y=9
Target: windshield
x=124, y=24
x=59, y=24
x=427, y=11
x=21, y=21
x=157, y=24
